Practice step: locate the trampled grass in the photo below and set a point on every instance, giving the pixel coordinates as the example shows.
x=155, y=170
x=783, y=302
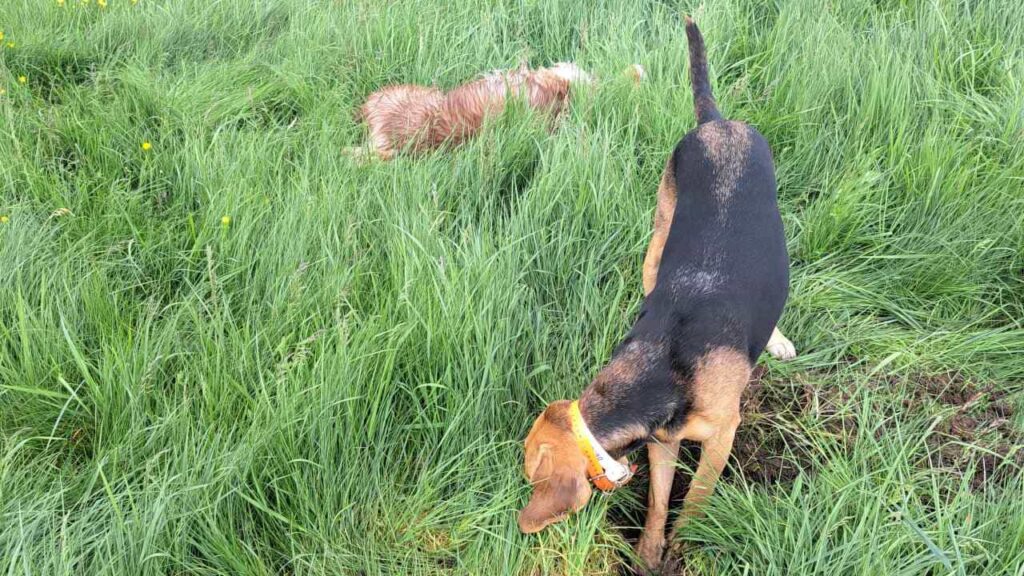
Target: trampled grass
x=234, y=351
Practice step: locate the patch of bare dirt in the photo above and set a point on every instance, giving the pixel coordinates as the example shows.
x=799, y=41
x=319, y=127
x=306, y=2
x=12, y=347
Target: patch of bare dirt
x=973, y=431
x=975, y=434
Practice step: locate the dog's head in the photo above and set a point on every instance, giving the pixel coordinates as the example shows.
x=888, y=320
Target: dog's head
x=571, y=73
x=557, y=469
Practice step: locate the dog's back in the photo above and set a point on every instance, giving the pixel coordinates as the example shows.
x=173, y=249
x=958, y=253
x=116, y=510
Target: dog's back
x=725, y=258
x=724, y=272
x=417, y=119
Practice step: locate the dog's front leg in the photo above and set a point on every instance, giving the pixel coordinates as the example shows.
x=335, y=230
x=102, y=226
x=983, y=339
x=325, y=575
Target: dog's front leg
x=714, y=454
x=652, y=542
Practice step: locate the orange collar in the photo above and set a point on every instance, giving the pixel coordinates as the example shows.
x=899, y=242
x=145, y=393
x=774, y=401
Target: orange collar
x=604, y=471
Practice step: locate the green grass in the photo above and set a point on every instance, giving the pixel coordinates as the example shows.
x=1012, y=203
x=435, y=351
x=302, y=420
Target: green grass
x=338, y=380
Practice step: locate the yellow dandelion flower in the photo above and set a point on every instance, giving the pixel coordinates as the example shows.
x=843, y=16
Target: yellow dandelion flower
x=10, y=44
x=225, y=220
x=146, y=146
x=1, y=34
x=101, y=3
x=4, y=219
x=60, y=2
x=22, y=79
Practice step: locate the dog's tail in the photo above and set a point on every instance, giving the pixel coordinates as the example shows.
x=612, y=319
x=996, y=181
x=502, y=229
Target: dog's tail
x=703, y=101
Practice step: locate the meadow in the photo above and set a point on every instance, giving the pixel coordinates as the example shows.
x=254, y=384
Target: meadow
x=226, y=348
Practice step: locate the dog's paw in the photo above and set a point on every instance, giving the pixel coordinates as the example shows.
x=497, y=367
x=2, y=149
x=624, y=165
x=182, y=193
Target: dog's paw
x=673, y=563
x=650, y=551
x=365, y=154
x=781, y=348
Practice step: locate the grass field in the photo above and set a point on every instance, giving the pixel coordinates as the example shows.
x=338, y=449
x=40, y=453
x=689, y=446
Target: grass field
x=237, y=352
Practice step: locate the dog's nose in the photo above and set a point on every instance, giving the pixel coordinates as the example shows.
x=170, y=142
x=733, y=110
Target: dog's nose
x=524, y=526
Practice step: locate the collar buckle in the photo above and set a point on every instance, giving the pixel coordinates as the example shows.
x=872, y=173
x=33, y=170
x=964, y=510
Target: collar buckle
x=604, y=472
x=606, y=485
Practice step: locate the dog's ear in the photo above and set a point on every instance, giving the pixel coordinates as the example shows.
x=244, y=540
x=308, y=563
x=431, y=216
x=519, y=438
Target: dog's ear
x=557, y=491
x=533, y=461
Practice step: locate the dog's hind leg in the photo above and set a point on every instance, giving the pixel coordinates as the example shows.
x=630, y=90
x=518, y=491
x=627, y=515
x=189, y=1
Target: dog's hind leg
x=662, y=458
x=779, y=346
x=662, y=222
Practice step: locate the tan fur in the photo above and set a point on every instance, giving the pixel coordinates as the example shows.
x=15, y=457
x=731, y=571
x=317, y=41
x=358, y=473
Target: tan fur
x=662, y=459
x=718, y=382
x=556, y=468
x=402, y=115
x=417, y=119
x=662, y=222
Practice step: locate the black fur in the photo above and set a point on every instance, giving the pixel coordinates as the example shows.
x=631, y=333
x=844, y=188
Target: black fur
x=703, y=101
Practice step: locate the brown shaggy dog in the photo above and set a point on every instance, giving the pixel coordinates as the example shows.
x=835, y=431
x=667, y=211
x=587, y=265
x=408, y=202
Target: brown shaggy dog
x=417, y=119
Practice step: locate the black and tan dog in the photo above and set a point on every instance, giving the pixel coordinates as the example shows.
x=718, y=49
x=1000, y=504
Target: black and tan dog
x=716, y=277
